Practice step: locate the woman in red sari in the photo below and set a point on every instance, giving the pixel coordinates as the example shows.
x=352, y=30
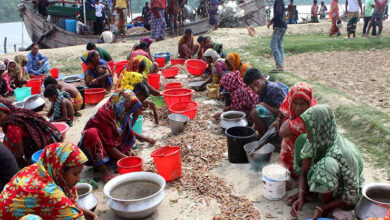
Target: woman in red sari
x=334, y=17
x=47, y=188
x=298, y=100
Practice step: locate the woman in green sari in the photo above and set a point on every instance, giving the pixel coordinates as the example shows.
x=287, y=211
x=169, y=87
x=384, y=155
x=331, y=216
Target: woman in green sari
x=329, y=165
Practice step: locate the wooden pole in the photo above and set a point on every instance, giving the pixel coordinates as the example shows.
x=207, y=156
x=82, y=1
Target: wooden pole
x=5, y=44
x=15, y=47
x=84, y=12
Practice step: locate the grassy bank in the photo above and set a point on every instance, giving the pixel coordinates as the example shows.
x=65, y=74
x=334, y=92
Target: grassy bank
x=363, y=124
x=294, y=44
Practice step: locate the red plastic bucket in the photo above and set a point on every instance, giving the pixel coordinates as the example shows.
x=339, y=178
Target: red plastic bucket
x=187, y=108
x=168, y=162
x=61, y=127
x=196, y=67
x=160, y=61
x=55, y=73
x=119, y=66
x=111, y=64
x=154, y=80
x=35, y=85
x=94, y=96
x=84, y=67
x=173, y=96
x=174, y=85
x=129, y=164
x=178, y=61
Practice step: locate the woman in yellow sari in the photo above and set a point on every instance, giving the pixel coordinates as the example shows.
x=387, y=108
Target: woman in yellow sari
x=234, y=61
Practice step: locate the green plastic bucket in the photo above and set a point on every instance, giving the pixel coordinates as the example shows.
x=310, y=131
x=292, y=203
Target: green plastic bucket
x=157, y=100
x=22, y=93
x=138, y=124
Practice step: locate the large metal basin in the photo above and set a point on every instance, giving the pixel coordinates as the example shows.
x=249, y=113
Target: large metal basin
x=375, y=202
x=135, y=208
x=34, y=102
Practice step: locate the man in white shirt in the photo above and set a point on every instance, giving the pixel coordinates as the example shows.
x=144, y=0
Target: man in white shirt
x=107, y=36
x=99, y=18
x=353, y=7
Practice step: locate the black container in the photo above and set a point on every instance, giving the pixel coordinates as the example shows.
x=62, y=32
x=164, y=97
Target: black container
x=81, y=91
x=237, y=137
x=228, y=101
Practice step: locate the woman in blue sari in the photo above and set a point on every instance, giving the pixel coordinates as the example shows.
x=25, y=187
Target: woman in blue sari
x=98, y=73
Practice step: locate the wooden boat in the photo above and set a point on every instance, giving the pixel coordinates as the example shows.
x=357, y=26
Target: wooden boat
x=49, y=35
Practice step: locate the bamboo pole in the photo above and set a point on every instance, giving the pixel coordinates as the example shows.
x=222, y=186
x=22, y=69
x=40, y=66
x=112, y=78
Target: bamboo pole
x=5, y=44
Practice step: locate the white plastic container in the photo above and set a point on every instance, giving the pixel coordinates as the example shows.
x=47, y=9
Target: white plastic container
x=274, y=179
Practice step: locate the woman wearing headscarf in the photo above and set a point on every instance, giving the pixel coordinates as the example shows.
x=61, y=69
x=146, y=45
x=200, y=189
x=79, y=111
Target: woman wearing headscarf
x=242, y=97
x=334, y=17
x=216, y=67
x=98, y=73
x=25, y=131
x=47, y=188
x=234, y=63
x=18, y=75
x=298, y=100
x=108, y=136
x=4, y=86
x=328, y=164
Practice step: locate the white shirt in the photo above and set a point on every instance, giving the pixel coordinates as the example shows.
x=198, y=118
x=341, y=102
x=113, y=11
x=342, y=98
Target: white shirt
x=107, y=36
x=99, y=10
x=79, y=24
x=353, y=6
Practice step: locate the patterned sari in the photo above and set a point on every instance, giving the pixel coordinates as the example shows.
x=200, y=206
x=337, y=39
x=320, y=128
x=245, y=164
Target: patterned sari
x=334, y=17
x=295, y=123
x=92, y=69
x=336, y=163
x=111, y=126
x=40, y=189
x=235, y=61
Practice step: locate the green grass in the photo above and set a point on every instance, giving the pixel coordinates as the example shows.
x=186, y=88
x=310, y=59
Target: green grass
x=294, y=44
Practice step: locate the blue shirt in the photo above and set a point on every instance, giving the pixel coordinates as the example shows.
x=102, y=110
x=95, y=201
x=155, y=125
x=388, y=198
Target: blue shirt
x=273, y=94
x=32, y=64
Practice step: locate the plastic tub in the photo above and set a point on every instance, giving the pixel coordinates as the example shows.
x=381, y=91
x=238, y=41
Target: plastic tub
x=137, y=127
x=178, y=61
x=35, y=85
x=261, y=157
x=160, y=61
x=119, y=66
x=129, y=165
x=196, y=67
x=174, y=85
x=168, y=162
x=173, y=96
x=55, y=73
x=275, y=177
x=70, y=25
x=84, y=67
x=165, y=55
x=154, y=80
x=237, y=137
x=157, y=100
x=170, y=72
x=187, y=108
x=22, y=93
x=94, y=95
x=62, y=127
x=35, y=157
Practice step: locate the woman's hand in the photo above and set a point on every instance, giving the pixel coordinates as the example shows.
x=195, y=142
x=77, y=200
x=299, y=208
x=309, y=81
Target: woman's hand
x=297, y=207
x=150, y=140
x=317, y=214
x=275, y=124
x=89, y=215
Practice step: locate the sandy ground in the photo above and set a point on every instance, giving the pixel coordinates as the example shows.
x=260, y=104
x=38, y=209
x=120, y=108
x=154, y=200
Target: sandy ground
x=242, y=184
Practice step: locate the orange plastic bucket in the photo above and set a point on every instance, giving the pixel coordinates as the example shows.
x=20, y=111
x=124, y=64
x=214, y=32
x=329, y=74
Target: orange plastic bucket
x=154, y=80
x=55, y=73
x=168, y=162
x=129, y=164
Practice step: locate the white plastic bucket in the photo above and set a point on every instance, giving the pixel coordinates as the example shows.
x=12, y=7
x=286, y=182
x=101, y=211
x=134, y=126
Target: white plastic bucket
x=274, y=179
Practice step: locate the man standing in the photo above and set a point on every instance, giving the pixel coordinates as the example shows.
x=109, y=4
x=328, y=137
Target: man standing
x=378, y=15
x=145, y=15
x=37, y=63
x=120, y=14
x=99, y=18
x=280, y=26
x=291, y=8
x=352, y=8
x=367, y=10
x=173, y=12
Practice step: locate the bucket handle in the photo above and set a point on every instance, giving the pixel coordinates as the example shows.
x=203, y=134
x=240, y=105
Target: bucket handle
x=163, y=155
x=278, y=179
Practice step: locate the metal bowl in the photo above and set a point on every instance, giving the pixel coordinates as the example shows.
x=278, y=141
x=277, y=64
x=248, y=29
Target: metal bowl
x=86, y=199
x=71, y=79
x=18, y=104
x=375, y=202
x=196, y=85
x=34, y=102
x=233, y=119
x=135, y=208
x=177, y=123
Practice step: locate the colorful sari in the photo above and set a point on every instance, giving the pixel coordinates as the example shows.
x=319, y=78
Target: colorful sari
x=40, y=132
x=216, y=68
x=40, y=189
x=136, y=61
x=334, y=17
x=336, y=163
x=19, y=73
x=243, y=98
x=235, y=61
x=92, y=69
x=128, y=79
x=295, y=123
x=110, y=126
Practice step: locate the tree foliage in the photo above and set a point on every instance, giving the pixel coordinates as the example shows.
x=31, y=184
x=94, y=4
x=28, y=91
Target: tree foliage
x=9, y=11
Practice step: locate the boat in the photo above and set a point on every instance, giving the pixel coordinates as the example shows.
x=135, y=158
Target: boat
x=50, y=35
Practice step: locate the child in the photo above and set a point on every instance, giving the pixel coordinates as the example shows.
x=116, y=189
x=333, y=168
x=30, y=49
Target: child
x=76, y=98
x=314, y=12
x=62, y=108
x=187, y=48
x=323, y=10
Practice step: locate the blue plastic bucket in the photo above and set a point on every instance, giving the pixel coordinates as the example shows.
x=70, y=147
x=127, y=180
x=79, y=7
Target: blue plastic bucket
x=70, y=25
x=22, y=93
x=35, y=157
x=138, y=124
x=284, y=87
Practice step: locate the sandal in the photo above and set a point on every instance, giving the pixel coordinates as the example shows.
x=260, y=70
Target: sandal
x=108, y=178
